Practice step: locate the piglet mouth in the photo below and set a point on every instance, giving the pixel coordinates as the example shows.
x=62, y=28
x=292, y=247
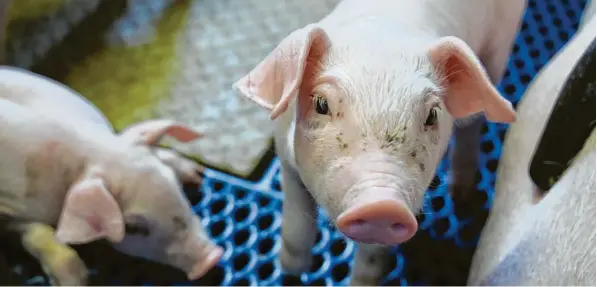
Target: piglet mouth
x=203, y=266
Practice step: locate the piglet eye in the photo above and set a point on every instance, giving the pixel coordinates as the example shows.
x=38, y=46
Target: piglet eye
x=432, y=117
x=321, y=105
x=136, y=224
x=136, y=229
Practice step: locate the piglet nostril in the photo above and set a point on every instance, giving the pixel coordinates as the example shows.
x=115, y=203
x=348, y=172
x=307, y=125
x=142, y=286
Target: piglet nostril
x=359, y=222
x=400, y=230
x=398, y=226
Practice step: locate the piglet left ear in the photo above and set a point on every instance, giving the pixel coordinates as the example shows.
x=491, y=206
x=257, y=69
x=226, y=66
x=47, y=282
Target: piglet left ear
x=468, y=89
x=151, y=131
x=90, y=212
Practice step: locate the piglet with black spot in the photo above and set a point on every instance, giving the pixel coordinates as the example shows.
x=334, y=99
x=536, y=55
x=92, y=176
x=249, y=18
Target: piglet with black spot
x=366, y=100
x=67, y=178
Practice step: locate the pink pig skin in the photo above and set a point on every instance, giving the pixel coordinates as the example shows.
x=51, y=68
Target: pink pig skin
x=63, y=165
x=366, y=100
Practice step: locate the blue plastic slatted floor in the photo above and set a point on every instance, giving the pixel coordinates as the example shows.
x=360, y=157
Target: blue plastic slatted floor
x=245, y=218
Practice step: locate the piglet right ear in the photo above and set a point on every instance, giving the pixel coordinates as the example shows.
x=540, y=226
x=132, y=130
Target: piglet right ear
x=276, y=80
x=90, y=212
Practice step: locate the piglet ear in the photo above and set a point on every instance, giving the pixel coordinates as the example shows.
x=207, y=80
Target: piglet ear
x=275, y=81
x=151, y=131
x=90, y=212
x=468, y=89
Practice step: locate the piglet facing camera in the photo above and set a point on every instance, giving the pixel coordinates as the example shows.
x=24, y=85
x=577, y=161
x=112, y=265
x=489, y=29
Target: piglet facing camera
x=365, y=101
x=67, y=168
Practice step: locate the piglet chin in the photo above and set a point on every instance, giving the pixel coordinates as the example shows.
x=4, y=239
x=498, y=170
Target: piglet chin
x=206, y=264
x=377, y=218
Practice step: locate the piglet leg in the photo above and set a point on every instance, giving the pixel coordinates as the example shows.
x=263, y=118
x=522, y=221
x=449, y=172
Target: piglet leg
x=371, y=264
x=60, y=262
x=299, y=224
x=465, y=156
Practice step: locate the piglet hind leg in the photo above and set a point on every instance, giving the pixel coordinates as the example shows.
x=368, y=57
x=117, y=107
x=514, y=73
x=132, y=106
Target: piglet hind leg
x=371, y=263
x=299, y=224
x=60, y=262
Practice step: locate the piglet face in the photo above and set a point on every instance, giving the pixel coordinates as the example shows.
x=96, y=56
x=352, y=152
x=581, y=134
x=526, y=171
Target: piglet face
x=133, y=197
x=367, y=147
x=160, y=224
x=371, y=123
x=183, y=244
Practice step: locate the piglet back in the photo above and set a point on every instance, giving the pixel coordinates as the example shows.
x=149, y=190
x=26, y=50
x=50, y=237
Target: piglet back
x=48, y=96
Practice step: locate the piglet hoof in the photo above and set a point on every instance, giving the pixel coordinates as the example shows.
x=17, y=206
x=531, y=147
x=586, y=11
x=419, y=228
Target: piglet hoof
x=293, y=261
x=66, y=268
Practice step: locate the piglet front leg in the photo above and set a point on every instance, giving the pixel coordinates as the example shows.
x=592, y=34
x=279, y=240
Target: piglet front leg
x=59, y=261
x=371, y=264
x=464, y=156
x=299, y=224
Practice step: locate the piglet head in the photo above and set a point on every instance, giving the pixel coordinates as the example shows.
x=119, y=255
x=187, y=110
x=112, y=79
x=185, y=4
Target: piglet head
x=370, y=124
x=135, y=200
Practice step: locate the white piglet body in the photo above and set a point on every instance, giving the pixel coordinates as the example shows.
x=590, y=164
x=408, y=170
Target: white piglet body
x=63, y=166
x=366, y=100
x=37, y=112
x=39, y=195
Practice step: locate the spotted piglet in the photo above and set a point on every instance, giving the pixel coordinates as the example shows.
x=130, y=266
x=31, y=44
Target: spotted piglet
x=366, y=100
x=67, y=178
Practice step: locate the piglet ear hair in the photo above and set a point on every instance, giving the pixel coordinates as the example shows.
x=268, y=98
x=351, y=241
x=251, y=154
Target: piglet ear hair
x=90, y=213
x=151, y=131
x=467, y=88
x=275, y=81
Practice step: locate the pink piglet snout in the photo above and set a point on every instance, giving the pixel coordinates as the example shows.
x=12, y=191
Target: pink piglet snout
x=206, y=264
x=383, y=221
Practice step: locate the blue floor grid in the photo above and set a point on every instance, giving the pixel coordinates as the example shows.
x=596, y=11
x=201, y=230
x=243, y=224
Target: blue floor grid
x=245, y=217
